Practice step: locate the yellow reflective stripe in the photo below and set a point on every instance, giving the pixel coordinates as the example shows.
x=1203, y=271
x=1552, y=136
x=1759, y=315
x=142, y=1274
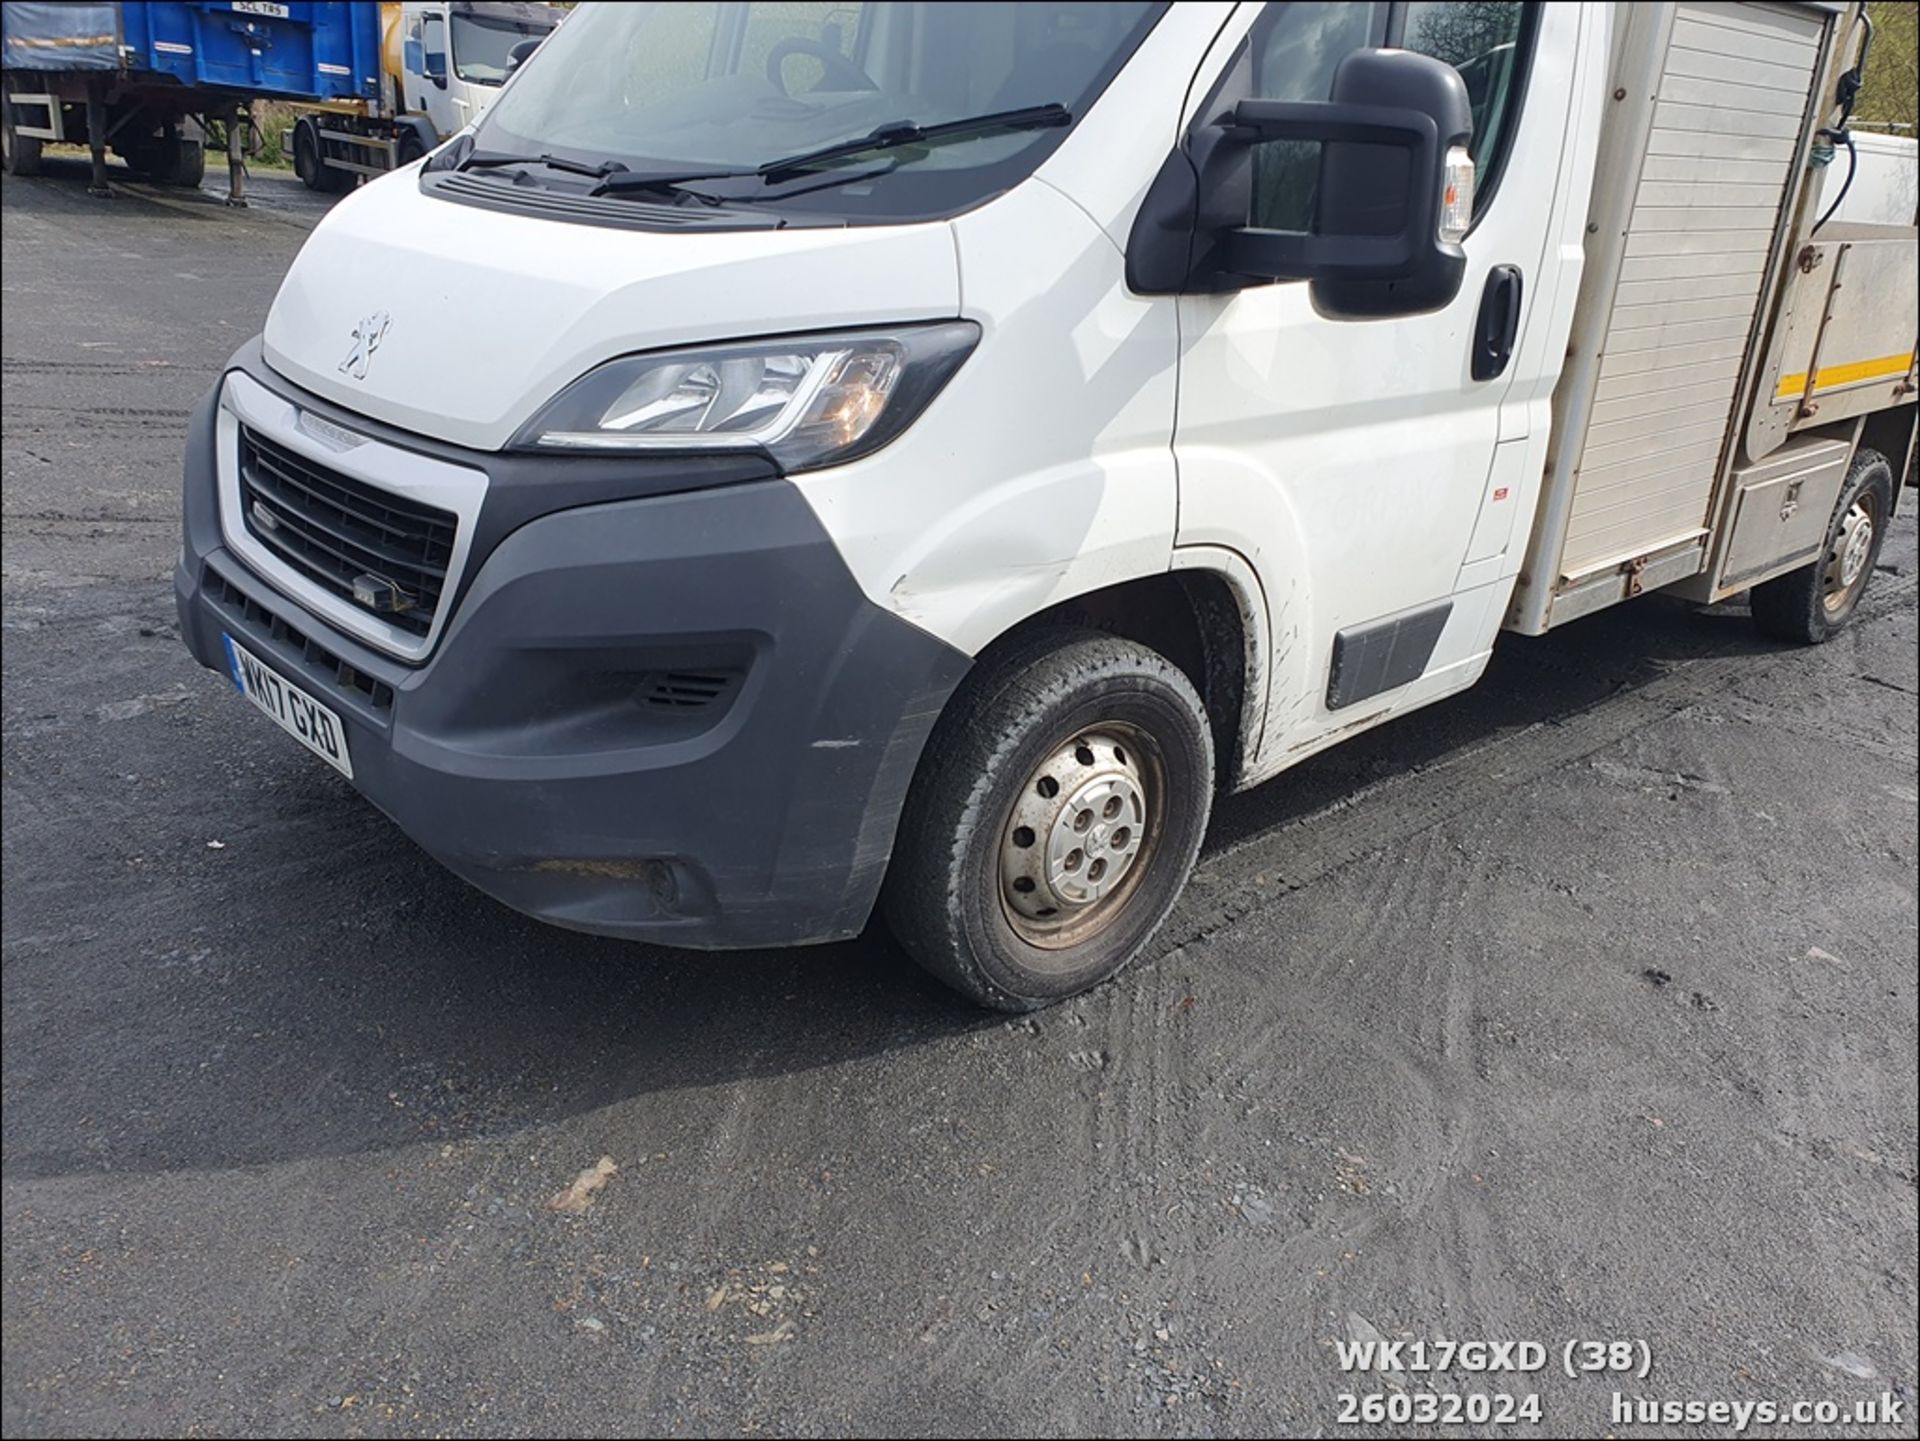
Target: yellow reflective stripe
x=1832, y=375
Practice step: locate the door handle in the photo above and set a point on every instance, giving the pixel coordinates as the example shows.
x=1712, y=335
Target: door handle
x=1499, y=322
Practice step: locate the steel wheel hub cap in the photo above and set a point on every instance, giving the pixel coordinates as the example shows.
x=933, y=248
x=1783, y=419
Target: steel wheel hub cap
x=1076, y=831
x=1853, y=557
x=1852, y=547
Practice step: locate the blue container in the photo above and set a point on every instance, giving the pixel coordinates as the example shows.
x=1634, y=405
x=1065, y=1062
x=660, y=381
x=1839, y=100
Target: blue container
x=302, y=49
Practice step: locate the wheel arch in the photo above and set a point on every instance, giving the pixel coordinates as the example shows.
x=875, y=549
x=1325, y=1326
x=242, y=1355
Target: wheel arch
x=1893, y=433
x=422, y=130
x=1206, y=614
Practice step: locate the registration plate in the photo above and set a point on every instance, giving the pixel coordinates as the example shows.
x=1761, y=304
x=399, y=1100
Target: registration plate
x=260, y=7
x=292, y=709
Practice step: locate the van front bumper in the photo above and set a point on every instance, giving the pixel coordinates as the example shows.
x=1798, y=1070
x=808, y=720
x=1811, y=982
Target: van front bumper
x=674, y=718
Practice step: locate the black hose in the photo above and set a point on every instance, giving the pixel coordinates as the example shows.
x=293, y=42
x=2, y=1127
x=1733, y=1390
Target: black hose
x=1853, y=167
x=1847, y=90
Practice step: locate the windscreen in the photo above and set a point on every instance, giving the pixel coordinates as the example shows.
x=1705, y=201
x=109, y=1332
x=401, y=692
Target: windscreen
x=482, y=45
x=689, y=87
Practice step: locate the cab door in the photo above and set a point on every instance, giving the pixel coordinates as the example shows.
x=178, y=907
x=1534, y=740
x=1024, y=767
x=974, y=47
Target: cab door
x=430, y=76
x=1371, y=471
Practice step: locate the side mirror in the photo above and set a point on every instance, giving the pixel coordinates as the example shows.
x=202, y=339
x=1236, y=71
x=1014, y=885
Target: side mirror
x=520, y=52
x=1394, y=195
x=433, y=65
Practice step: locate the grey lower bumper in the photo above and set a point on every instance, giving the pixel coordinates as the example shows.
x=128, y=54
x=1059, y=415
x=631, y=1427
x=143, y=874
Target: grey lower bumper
x=675, y=718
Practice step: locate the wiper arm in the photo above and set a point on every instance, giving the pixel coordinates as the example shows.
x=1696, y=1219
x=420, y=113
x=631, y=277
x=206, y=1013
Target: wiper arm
x=905, y=132
x=490, y=160
x=890, y=136
x=613, y=176
x=622, y=181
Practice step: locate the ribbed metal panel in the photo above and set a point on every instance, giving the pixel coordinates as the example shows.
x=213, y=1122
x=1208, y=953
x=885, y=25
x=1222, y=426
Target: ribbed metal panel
x=1733, y=91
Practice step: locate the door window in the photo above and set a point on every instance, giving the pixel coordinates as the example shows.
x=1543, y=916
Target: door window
x=1295, y=48
x=483, y=45
x=433, y=39
x=1486, y=41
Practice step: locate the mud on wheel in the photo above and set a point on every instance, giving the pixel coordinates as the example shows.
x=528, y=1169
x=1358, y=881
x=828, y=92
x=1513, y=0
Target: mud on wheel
x=1059, y=807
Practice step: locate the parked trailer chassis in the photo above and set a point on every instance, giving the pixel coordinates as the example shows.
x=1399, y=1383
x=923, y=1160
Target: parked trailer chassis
x=144, y=123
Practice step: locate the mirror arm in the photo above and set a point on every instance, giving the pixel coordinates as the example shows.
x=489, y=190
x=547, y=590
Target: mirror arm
x=1253, y=121
x=1291, y=255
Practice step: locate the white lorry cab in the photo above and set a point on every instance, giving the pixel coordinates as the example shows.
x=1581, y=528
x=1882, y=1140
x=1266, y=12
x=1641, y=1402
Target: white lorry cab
x=436, y=65
x=787, y=461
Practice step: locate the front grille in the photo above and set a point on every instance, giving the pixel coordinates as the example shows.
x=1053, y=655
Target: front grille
x=334, y=529
x=320, y=661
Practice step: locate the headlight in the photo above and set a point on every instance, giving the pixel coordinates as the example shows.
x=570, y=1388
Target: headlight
x=806, y=401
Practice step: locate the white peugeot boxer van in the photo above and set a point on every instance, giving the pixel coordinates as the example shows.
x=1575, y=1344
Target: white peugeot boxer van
x=792, y=459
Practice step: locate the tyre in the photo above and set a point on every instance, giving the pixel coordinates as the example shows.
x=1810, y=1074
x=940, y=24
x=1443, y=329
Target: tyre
x=19, y=154
x=409, y=150
x=307, y=164
x=306, y=157
x=1813, y=604
x=172, y=160
x=189, y=165
x=1055, y=818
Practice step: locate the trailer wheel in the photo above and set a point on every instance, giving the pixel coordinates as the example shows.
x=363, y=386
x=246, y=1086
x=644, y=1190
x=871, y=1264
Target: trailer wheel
x=1813, y=604
x=178, y=162
x=1055, y=819
x=20, y=154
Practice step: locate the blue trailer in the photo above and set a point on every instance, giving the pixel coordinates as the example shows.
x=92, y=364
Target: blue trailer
x=147, y=80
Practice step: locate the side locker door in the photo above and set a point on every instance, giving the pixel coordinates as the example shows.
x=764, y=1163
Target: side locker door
x=1350, y=461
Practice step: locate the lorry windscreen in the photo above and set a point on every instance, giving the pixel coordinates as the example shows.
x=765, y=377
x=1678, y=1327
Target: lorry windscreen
x=689, y=88
x=483, y=45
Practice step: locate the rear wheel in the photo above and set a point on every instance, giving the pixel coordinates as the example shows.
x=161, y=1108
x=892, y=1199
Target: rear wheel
x=190, y=164
x=20, y=154
x=409, y=150
x=1814, y=603
x=176, y=160
x=1056, y=817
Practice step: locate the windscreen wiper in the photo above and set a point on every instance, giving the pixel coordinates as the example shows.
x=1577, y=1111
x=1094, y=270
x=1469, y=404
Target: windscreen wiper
x=904, y=132
x=491, y=160
x=603, y=171
x=892, y=135
x=618, y=180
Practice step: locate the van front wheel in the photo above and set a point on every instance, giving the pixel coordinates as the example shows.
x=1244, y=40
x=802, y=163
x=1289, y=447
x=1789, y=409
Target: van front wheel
x=1057, y=813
